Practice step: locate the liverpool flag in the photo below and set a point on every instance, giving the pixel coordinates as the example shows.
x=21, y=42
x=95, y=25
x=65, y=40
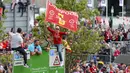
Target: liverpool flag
x=63, y=18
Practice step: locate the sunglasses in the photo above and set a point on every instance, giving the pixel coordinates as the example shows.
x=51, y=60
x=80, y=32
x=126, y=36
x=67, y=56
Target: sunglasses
x=57, y=29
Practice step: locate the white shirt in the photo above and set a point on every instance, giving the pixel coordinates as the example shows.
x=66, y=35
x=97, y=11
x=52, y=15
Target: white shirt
x=16, y=40
x=128, y=35
x=1, y=67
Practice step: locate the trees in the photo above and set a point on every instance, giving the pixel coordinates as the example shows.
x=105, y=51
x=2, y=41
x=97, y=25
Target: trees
x=84, y=39
x=2, y=28
x=4, y=58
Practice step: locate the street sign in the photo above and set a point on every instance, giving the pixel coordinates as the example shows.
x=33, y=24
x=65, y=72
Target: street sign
x=56, y=61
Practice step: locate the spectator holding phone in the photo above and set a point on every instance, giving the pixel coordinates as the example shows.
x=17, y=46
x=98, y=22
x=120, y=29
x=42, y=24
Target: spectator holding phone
x=35, y=48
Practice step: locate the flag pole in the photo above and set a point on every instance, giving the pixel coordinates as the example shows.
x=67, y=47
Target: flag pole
x=46, y=9
x=106, y=8
x=46, y=5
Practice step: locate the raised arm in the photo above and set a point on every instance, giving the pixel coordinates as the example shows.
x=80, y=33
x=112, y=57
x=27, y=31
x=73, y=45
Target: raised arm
x=63, y=33
x=51, y=30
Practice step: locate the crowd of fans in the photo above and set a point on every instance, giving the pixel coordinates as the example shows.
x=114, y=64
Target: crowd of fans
x=116, y=42
x=100, y=67
x=6, y=68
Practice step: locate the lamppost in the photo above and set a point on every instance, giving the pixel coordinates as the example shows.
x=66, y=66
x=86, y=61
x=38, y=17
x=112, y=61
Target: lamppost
x=112, y=11
x=111, y=24
x=111, y=18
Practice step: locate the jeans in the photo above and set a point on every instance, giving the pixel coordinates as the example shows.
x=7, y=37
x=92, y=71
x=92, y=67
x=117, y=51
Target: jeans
x=59, y=50
x=21, y=51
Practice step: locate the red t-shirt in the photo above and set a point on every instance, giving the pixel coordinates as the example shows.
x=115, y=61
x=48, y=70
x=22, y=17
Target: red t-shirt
x=117, y=53
x=108, y=35
x=93, y=69
x=127, y=70
x=111, y=71
x=5, y=44
x=57, y=37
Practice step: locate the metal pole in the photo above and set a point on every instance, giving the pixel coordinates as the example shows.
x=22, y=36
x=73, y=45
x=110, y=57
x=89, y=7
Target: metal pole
x=122, y=10
x=112, y=20
x=110, y=52
x=28, y=8
x=106, y=8
x=14, y=12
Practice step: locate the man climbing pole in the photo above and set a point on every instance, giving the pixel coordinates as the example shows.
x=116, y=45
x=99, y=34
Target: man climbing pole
x=57, y=39
x=16, y=44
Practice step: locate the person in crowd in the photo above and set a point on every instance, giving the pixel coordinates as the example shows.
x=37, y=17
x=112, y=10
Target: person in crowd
x=1, y=47
x=16, y=44
x=27, y=3
x=1, y=68
x=93, y=68
x=123, y=49
x=21, y=7
x=13, y=4
x=78, y=70
x=47, y=43
x=111, y=68
x=57, y=38
x=128, y=34
x=117, y=70
x=84, y=67
x=103, y=70
x=127, y=69
x=117, y=52
x=35, y=48
x=121, y=37
x=66, y=45
x=108, y=35
x=6, y=44
x=100, y=64
x=2, y=6
x=125, y=35
x=95, y=58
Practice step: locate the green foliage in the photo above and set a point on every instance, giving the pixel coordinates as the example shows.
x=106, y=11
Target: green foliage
x=41, y=28
x=7, y=1
x=84, y=39
x=6, y=58
x=78, y=6
x=2, y=28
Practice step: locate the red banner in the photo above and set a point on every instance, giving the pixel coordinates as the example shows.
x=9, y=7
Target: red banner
x=1, y=11
x=63, y=18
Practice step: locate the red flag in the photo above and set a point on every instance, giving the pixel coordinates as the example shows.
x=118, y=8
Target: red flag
x=1, y=11
x=63, y=18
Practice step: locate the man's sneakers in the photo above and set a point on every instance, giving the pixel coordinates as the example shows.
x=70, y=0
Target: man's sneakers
x=25, y=65
x=61, y=63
